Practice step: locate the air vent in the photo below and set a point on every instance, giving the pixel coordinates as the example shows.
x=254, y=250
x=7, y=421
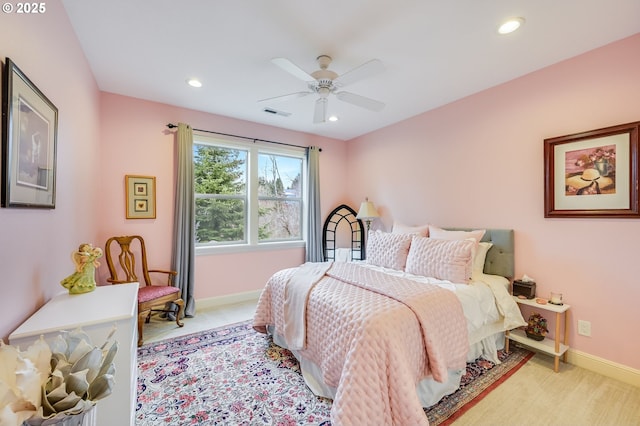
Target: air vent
x=276, y=112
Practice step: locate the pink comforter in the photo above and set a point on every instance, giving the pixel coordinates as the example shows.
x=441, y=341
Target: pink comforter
x=374, y=337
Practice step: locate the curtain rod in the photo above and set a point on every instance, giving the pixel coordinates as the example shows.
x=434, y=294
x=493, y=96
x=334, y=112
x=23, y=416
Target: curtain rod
x=173, y=126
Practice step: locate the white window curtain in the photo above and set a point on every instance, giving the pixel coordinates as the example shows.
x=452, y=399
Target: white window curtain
x=184, y=220
x=314, y=230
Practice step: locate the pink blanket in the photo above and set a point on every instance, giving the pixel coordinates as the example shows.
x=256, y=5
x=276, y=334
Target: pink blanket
x=374, y=337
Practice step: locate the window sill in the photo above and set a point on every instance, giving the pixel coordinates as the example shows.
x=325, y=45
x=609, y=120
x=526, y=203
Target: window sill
x=246, y=248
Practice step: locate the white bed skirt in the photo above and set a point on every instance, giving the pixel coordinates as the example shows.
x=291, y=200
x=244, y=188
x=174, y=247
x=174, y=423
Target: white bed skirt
x=429, y=391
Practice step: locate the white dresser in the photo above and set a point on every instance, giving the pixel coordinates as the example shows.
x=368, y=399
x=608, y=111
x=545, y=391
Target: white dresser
x=96, y=313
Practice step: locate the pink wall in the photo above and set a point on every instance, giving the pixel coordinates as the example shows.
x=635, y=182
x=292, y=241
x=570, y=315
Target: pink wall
x=135, y=140
x=478, y=162
x=35, y=253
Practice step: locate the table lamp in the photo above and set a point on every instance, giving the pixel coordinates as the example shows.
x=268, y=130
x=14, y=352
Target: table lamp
x=367, y=212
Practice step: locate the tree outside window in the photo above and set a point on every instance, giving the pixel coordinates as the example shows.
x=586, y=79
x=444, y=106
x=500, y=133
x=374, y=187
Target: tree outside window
x=220, y=183
x=279, y=197
x=230, y=210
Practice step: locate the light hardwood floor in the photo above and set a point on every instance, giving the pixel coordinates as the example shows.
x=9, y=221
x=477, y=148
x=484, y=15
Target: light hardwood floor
x=533, y=396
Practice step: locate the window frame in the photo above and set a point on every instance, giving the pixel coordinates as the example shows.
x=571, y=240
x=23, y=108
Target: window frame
x=253, y=149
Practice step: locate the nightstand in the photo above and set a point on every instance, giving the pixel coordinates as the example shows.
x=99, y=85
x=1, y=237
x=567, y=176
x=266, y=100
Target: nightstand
x=554, y=347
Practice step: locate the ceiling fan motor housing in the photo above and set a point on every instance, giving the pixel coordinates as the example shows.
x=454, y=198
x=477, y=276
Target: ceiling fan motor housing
x=324, y=82
x=324, y=61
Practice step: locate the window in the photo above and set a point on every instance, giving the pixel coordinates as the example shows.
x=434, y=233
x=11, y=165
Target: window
x=279, y=197
x=247, y=194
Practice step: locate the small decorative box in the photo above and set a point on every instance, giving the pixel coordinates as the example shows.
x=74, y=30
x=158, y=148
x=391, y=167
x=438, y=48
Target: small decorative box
x=524, y=288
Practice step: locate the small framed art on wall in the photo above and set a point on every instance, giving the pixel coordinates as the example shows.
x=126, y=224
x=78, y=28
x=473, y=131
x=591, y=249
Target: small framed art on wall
x=140, y=197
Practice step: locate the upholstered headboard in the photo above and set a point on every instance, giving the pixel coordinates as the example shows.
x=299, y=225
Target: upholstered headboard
x=500, y=258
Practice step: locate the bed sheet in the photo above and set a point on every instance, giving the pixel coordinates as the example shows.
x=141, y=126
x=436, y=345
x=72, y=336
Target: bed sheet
x=486, y=302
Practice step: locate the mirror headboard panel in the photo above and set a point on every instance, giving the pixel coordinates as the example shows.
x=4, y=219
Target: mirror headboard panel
x=342, y=220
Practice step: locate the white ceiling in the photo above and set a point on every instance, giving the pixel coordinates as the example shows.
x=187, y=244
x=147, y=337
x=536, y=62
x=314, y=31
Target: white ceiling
x=434, y=51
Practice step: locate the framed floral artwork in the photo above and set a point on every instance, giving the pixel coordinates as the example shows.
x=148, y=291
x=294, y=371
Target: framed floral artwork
x=593, y=174
x=140, y=197
x=29, y=138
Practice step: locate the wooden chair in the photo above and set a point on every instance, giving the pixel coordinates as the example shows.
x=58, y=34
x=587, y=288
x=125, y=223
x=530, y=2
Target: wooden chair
x=149, y=295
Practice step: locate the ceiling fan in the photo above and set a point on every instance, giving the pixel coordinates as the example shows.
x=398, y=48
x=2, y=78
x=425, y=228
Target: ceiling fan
x=324, y=82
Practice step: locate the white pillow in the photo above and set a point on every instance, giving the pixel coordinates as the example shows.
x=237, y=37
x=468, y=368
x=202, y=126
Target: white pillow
x=442, y=259
x=435, y=232
x=388, y=250
x=399, y=228
x=480, y=257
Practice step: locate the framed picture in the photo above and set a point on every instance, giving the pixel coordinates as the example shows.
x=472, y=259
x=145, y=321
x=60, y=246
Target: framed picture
x=593, y=174
x=141, y=197
x=29, y=138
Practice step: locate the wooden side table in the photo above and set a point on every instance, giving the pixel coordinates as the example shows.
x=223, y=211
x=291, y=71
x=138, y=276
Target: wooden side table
x=555, y=347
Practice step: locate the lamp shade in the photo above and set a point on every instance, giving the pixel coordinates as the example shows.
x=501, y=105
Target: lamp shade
x=367, y=211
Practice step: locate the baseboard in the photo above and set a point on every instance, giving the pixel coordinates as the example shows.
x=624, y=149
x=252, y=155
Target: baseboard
x=605, y=367
x=231, y=299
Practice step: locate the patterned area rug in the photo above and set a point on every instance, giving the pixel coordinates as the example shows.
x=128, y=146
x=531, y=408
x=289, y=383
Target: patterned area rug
x=236, y=376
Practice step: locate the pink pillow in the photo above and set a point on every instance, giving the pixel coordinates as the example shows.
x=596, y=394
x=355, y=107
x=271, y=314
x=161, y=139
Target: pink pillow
x=443, y=259
x=388, y=250
x=476, y=235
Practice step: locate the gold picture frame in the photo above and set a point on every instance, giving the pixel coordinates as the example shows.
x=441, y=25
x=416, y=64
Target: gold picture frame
x=140, y=197
x=593, y=174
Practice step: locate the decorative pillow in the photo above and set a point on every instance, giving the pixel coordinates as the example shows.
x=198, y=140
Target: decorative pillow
x=435, y=232
x=399, y=228
x=388, y=250
x=476, y=235
x=442, y=259
x=480, y=257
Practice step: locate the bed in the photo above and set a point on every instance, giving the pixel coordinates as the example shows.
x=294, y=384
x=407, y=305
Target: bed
x=390, y=335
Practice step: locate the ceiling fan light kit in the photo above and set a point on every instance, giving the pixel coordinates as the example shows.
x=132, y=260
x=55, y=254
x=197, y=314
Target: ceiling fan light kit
x=324, y=82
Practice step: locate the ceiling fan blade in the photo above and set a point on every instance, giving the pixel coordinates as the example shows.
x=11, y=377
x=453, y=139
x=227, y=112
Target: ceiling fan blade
x=320, y=111
x=293, y=69
x=366, y=70
x=360, y=101
x=286, y=97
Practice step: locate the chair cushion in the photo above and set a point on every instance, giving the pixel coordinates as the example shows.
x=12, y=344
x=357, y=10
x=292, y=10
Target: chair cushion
x=151, y=292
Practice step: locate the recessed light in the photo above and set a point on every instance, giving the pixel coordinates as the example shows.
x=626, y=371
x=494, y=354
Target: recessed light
x=194, y=82
x=333, y=118
x=510, y=25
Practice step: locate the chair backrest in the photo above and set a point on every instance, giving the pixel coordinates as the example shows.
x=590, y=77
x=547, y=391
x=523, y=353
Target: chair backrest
x=125, y=270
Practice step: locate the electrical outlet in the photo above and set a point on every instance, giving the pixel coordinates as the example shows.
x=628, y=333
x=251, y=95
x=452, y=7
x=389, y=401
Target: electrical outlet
x=584, y=328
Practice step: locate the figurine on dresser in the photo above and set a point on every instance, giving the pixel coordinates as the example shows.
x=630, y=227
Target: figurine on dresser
x=83, y=280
